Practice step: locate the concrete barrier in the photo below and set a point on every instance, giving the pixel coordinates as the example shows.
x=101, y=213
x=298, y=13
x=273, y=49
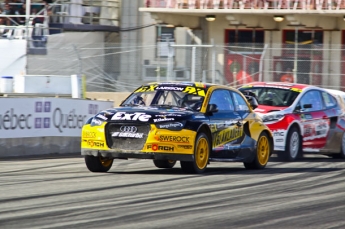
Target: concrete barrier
x=117, y=97
x=44, y=125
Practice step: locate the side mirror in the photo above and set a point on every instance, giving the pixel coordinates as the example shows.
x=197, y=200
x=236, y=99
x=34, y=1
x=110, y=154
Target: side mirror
x=212, y=108
x=306, y=106
x=252, y=102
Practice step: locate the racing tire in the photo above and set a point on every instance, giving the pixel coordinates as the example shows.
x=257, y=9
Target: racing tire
x=201, y=156
x=293, y=148
x=263, y=153
x=164, y=164
x=98, y=164
x=340, y=155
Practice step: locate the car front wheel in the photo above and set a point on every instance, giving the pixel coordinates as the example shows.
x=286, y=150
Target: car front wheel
x=263, y=152
x=293, y=146
x=164, y=164
x=98, y=164
x=201, y=155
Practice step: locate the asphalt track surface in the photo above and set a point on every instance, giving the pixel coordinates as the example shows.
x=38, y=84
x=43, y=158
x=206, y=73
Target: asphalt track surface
x=62, y=193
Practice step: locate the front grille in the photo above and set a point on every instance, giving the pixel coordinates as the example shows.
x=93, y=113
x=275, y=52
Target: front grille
x=126, y=136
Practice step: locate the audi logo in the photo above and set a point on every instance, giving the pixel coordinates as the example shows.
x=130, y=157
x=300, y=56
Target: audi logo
x=131, y=129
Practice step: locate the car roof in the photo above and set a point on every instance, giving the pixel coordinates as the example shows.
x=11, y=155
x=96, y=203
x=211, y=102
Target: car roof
x=278, y=85
x=188, y=83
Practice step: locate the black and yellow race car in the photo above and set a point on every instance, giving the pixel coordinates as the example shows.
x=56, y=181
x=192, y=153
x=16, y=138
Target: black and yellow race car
x=194, y=123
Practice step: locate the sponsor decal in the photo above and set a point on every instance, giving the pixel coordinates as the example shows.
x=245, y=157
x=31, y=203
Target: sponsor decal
x=93, y=143
x=170, y=88
x=279, y=140
x=163, y=119
x=178, y=139
x=184, y=146
x=143, y=117
x=176, y=125
x=165, y=115
x=315, y=129
x=227, y=135
x=127, y=135
x=102, y=117
x=278, y=133
x=88, y=134
x=156, y=147
x=199, y=116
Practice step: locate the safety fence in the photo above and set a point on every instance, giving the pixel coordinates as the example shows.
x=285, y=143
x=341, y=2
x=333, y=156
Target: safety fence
x=115, y=67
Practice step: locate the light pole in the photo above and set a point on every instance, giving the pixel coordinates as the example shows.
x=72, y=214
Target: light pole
x=295, y=58
x=159, y=33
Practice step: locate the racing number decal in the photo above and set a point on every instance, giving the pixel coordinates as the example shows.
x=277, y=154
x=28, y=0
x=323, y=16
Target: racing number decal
x=296, y=89
x=195, y=91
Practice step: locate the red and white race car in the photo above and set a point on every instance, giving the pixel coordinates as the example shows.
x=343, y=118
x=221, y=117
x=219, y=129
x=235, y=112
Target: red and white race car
x=302, y=118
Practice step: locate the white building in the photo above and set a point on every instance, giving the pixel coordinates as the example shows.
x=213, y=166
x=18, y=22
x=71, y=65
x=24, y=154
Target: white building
x=257, y=37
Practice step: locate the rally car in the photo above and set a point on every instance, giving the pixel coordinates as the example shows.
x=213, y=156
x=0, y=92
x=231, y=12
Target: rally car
x=302, y=118
x=194, y=123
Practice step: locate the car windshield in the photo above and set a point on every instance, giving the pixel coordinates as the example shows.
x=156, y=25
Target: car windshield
x=273, y=96
x=167, y=96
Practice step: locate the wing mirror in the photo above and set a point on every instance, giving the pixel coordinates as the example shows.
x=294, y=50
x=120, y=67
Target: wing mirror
x=306, y=106
x=252, y=102
x=212, y=108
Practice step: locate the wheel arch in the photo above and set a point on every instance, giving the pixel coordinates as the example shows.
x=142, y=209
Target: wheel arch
x=206, y=129
x=271, y=141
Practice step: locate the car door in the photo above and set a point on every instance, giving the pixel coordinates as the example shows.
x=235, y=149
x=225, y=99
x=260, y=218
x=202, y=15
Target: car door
x=314, y=121
x=225, y=124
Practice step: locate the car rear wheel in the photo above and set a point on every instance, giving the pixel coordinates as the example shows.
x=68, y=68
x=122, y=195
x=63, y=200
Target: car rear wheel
x=293, y=146
x=263, y=152
x=201, y=155
x=164, y=164
x=340, y=155
x=98, y=164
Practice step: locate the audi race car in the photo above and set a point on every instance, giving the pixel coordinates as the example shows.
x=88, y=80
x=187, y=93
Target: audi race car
x=303, y=118
x=194, y=123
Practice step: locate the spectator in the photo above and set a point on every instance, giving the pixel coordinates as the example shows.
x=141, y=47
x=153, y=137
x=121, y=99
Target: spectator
x=21, y=12
x=2, y=21
x=8, y=11
x=287, y=77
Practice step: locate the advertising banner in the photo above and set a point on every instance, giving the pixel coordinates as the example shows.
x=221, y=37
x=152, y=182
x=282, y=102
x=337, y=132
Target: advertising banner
x=40, y=117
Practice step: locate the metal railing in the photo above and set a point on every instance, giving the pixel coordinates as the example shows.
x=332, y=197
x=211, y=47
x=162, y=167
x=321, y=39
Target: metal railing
x=248, y=4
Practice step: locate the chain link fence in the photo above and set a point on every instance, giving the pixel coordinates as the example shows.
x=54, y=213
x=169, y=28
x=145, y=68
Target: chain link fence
x=115, y=67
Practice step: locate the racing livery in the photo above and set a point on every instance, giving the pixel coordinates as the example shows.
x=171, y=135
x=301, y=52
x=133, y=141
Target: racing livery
x=302, y=118
x=194, y=123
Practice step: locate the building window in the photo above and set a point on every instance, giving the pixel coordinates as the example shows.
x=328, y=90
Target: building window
x=165, y=37
x=245, y=41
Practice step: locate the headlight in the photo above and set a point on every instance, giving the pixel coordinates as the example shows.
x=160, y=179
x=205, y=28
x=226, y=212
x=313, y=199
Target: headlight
x=171, y=125
x=96, y=122
x=272, y=117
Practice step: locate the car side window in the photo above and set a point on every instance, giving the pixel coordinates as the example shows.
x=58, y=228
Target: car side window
x=222, y=99
x=240, y=103
x=311, y=101
x=329, y=100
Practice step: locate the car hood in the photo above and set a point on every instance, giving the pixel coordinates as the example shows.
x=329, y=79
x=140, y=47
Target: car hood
x=266, y=109
x=145, y=114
